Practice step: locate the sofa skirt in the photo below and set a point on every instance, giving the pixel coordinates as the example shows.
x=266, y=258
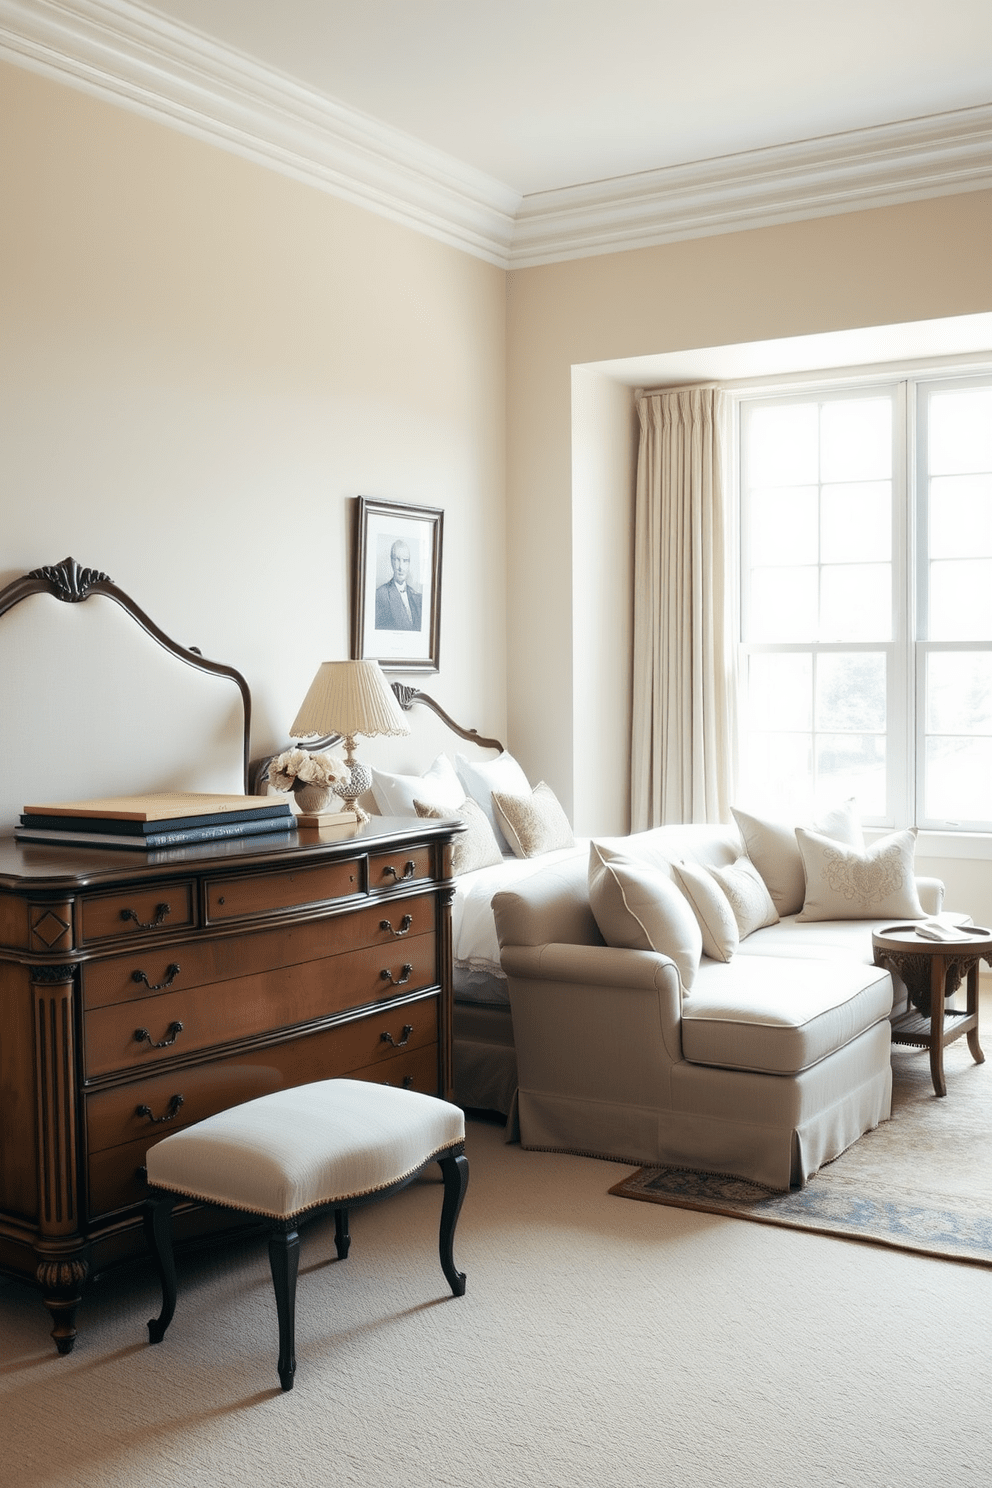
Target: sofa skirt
x=774, y=1130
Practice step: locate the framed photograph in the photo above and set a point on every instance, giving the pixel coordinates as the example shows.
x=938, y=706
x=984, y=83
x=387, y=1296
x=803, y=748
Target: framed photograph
x=396, y=610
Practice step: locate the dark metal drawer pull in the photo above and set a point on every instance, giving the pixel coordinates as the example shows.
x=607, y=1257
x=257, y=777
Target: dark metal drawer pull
x=173, y=1110
x=387, y=1038
x=161, y=911
x=404, y=929
x=387, y=976
x=144, y=1037
x=408, y=871
x=171, y=972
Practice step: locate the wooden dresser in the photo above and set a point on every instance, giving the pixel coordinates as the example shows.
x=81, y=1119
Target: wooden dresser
x=142, y=992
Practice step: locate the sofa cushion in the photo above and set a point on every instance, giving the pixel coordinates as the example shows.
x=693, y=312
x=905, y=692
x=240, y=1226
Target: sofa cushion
x=533, y=823
x=749, y=899
x=774, y=851
x=845, y=884
x=779, y=1016
x=712, y=909
x=638, y=908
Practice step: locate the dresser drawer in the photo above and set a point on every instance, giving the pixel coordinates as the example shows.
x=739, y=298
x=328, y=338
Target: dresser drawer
x=405, y=865
x=115, y=1171
x=135, y=912
x=125, y=1035
x=262, y=893
x=132, y=976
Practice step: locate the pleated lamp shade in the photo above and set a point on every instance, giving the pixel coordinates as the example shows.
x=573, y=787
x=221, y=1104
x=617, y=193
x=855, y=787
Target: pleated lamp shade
x=349, y=698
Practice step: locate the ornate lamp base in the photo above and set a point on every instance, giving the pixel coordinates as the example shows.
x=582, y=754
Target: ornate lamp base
x=359, y=783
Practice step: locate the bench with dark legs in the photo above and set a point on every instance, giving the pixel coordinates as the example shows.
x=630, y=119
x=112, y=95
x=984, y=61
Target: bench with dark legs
x=292, y=1155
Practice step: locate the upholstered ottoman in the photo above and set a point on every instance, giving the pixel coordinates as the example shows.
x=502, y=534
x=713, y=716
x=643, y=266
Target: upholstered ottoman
x=287, y=1156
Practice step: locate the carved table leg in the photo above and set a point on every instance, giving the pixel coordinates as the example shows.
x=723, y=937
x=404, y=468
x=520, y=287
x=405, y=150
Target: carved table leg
x=938, y=983
x=973, y=1044
x=61, y=1281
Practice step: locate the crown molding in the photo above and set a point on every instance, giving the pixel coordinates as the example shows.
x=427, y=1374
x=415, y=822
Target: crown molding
x=136, y=58
x=118, y=50
x=918, y=158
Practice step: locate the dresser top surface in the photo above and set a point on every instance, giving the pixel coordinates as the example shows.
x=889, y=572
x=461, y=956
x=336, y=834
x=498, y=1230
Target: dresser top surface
x=38, y=865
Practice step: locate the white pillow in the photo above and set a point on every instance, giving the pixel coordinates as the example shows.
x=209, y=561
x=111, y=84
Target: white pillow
x=749, y=898
x=844, y=884
x=774, y=851
x=639, y=908
x=480, y=779
x=711, y=907
x=532, y=824
x=439, y=786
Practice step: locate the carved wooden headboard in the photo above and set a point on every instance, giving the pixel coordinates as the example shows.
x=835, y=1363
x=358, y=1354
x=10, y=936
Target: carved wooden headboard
x=96, y=700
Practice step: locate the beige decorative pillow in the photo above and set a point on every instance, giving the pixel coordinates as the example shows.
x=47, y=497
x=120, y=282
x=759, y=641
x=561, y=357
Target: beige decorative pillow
x=711, y=907
x=639, y=908
x=774, y=851
x=532, y=824
x=844, y=884
x=749, y=899
x=476, y=847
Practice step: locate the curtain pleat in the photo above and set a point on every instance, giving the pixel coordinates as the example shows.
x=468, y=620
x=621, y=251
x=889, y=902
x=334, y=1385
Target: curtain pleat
x=683, y=750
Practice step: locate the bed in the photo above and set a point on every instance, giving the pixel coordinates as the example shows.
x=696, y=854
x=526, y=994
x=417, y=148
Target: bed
x=485, y=1065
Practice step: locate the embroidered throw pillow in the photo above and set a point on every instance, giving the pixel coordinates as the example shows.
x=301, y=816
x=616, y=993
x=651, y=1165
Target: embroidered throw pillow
x=534, y=823
x=749, y=899
x=480, y=778
x=774, y=851
x=476, y=847
x=639, y=908
x=710, y=905
x=439, y=786
x=844, y=884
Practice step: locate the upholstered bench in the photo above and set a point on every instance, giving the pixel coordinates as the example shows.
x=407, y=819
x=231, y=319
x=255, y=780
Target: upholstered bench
x=290, y=1155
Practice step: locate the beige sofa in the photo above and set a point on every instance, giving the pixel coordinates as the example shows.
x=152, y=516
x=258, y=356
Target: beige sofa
x=771, y=1065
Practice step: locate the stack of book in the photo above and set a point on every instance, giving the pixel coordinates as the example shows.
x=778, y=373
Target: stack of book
x=160, y=819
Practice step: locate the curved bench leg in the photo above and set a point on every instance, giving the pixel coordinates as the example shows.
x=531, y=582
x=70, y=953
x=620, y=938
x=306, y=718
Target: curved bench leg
x=158, y=1232
x=342, y=1238
x=454, y=1169
x=284, y=1261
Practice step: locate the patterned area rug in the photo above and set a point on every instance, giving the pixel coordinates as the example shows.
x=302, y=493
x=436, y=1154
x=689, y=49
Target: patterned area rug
x=922, y=1181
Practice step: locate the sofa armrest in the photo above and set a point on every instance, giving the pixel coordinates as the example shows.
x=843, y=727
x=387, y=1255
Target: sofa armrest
x=931, y=894
x=604, y=996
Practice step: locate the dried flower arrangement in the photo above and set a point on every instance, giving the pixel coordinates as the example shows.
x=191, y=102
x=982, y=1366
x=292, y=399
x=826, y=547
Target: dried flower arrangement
x=296, y=768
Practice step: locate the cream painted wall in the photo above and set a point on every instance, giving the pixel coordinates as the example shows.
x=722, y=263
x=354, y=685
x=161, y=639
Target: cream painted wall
x=915, y=262
x=202, y=363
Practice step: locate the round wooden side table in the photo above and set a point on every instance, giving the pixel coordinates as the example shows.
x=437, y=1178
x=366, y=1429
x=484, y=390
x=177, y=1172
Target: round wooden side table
x=932, y=971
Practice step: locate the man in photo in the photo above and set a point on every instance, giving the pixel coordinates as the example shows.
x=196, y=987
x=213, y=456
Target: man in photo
x=397, y=603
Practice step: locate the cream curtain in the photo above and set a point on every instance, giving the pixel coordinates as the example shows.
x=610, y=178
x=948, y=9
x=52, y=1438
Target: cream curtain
x=683, y=750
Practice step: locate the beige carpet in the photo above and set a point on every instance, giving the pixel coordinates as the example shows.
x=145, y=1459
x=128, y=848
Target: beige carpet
x=600, y=1344
x=921, y=1181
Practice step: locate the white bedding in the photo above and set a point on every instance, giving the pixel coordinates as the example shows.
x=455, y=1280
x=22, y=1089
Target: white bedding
x=476, y=948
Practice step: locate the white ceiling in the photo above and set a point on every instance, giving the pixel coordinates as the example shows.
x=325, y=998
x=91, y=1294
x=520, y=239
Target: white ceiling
x=542, y=94
x=531, y=131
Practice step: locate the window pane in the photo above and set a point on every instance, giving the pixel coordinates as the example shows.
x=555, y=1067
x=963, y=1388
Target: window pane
x=783, y=604
x=856, y=522
x=780, y=692
x=960, y=431
x=777, y=775
x=851, y=765
x=782, y=445
x=850, y=692
x=959, y=693
x=958, y=784
x=856, y=602
x=856, y=440
x=783, y=525
x=961, y=516
x=961, y=600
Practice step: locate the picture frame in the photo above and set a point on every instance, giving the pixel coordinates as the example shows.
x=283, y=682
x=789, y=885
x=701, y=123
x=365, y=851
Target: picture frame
x=396, y=602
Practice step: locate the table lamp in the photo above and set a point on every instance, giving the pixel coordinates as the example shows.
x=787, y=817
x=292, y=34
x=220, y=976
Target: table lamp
x=349, y=698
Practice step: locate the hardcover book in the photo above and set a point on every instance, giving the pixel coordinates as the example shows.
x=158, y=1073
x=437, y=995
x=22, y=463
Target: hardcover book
x=160, y=806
